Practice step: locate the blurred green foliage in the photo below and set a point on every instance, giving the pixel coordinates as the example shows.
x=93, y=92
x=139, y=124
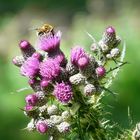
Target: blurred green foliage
x=83, y=15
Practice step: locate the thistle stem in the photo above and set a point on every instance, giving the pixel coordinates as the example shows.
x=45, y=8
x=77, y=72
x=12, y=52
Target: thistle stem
x=112, y=69
x=79, y=126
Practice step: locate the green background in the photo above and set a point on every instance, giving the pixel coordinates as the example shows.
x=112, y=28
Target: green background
x=18, y=18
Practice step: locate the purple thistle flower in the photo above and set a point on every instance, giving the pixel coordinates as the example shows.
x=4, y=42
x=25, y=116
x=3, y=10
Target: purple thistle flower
x=24, y=44
x=49, y=43
x=42, y=127
x=110, y=30
x=83, y=62
x=31, y=99
x=59, y=57
x=63, y=92
x=49, y=69
x=44, y=83
x=100, y=71
x=26, y=49
x=78, y=53
x=28, y=107
x=31, y=67
x=109, y=36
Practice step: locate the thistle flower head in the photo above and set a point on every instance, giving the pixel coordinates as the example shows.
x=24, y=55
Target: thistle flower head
x=79, y=53
x=44, y=83
x=31, y=99
x=18, y=60
x=49, y=69
x=24, y=44
x=31, y=67
x=100, y=71
x=110, y=30
x=26, y=49
x=28, y=107
x=83, y=62
x=109, y=36
x=49, y=43
x=42, y=127
x=63, y=92
x=58, y=56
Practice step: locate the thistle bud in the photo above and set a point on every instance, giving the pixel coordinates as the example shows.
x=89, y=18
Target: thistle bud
x=43, y=110
x=52, y=110
x=26, y=49
x=71, y=69
x=41, y=98
x=31, y=99
x=56, y=119
x=42, y=127
x=94, y=47
x=83, y=62
x=115, y=52
x=18, y=61
x=89, y=69
x=77, y=79
x=109, y=36
x=100, y=71
x=64, y=127
x=89, y=89
x=31, y=111
x=103, y=46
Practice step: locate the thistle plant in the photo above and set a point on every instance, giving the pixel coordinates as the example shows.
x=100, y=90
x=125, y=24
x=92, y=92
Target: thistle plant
x=66, y=102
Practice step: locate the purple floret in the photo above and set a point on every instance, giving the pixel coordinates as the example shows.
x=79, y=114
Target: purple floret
x=49, y=43
x=31, y=67
x=63, y=92
x=42, y=127
x=76, y=54
x=50, y=69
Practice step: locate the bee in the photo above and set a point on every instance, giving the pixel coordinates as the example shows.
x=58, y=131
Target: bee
x=45, y=29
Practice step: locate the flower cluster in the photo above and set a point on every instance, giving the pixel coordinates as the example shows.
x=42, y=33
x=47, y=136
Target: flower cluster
x=108, y=45
x=61, y=87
